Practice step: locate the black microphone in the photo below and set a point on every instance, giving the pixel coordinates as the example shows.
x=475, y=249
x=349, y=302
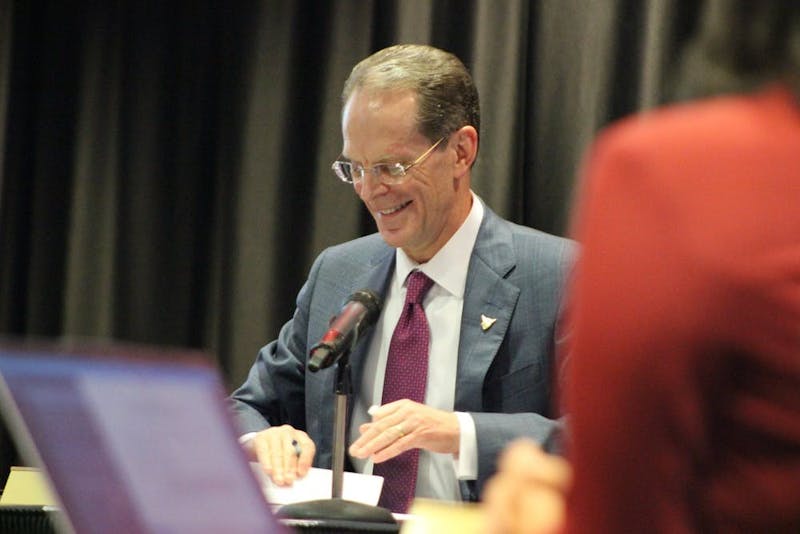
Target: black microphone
x=357, y=316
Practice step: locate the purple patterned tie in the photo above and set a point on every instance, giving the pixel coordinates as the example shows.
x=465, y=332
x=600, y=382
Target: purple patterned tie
x=405, y=378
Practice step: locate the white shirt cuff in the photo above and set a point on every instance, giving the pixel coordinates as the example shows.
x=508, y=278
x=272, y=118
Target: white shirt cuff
x=467, y=462
x=246, y=437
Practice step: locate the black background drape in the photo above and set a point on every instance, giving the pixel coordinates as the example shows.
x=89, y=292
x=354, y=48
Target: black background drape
x=165, y=165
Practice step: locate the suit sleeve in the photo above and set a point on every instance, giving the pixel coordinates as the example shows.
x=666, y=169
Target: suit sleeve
x=274, y=391
x=521, y=402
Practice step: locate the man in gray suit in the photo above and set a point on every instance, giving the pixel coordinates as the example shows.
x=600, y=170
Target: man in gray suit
x=410, y=124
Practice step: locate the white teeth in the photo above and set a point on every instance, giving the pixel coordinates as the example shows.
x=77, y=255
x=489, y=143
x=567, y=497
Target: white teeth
x=396, y=208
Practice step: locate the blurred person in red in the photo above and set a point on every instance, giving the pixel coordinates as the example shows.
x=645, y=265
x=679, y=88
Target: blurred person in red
x=683, y=383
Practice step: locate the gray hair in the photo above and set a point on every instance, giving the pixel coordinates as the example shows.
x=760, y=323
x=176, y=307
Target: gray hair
x=448, y=98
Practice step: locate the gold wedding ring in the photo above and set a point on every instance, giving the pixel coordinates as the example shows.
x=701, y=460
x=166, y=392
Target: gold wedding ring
x=399, y=429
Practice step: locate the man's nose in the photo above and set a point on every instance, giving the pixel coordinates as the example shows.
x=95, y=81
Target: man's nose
x=370, y=186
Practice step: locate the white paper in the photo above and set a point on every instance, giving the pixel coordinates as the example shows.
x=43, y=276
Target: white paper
x=317, y=485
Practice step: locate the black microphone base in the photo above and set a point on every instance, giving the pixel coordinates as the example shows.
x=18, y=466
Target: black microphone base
x=340, y=513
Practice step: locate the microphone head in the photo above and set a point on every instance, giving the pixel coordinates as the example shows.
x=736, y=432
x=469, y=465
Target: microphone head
x=345, y=329
x=371, y=301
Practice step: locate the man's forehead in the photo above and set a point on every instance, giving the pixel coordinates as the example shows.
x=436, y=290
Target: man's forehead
x=385, y=119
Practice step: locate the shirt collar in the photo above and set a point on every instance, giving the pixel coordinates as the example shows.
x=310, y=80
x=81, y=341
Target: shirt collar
x=448, y=267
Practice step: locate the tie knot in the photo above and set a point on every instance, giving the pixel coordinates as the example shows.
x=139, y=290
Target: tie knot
x=417, y=286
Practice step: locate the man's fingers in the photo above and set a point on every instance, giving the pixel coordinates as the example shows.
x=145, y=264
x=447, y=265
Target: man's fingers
x=402, y=425
x=288, y=452
x=382, y=411
x=276, y=456
x=387, y=426
x=376, y=437
x=398, y=444
x=284, y=453
x=261, y=448
x=307, y=450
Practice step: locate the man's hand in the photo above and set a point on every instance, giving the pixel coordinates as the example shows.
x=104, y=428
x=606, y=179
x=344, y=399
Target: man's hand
x=528, y=492
x=284, y=453
x=402, y=425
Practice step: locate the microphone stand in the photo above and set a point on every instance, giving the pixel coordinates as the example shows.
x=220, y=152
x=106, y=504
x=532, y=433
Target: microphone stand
x=338, y=512
x=343, y=387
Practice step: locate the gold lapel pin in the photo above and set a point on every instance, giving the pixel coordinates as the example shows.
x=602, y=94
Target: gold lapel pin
x=487, y=322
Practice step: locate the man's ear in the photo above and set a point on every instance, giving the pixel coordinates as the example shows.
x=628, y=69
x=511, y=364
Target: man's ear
x=465, y=142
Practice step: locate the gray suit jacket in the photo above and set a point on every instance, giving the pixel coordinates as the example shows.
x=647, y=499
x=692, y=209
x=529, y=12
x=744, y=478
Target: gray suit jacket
x=505, y=374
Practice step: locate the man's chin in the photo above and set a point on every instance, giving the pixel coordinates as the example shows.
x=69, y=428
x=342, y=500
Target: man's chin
x=393, y=238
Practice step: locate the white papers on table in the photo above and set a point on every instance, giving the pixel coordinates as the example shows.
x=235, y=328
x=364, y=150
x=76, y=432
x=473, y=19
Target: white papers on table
x=317, y=485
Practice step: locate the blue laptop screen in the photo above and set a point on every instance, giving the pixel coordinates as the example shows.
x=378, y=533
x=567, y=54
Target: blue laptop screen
x=133, y=445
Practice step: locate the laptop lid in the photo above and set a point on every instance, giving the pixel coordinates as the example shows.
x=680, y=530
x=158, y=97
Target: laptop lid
x=132, y=439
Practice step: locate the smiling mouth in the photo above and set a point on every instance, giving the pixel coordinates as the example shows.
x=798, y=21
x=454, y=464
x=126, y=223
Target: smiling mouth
x=395, y=209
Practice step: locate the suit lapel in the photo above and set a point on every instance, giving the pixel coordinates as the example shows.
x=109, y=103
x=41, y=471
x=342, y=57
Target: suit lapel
x=376, y=278
x=489, y=294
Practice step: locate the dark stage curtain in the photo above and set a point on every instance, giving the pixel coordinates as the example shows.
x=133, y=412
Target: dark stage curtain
x=165, y=166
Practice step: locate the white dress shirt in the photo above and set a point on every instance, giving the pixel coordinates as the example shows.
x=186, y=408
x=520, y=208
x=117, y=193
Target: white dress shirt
x=438, y=474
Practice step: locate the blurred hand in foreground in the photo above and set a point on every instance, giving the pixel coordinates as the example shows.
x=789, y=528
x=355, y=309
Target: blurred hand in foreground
x=528, y=492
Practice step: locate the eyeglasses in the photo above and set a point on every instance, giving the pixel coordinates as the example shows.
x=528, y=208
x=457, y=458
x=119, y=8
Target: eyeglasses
x=388, y=173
